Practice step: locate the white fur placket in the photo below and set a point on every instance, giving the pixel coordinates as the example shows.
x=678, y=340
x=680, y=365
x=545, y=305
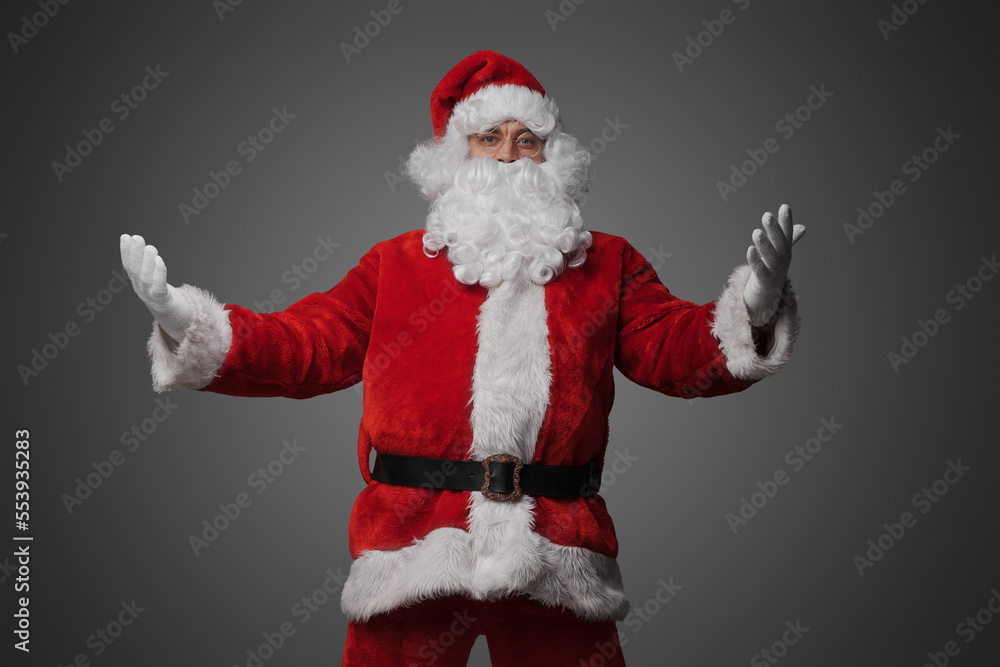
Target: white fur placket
x=510, y=393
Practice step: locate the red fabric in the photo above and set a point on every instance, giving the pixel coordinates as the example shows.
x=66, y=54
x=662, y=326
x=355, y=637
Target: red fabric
x=402, y=322
x=519, y=633
x=483, y=68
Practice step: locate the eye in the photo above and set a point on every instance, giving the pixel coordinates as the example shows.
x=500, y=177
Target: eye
x=528, y=140
x=490, y=139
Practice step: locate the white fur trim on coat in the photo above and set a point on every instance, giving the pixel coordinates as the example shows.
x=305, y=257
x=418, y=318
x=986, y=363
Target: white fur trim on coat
x=732, y=329
x=195, y=362
x=487, y=566
x=500, y=554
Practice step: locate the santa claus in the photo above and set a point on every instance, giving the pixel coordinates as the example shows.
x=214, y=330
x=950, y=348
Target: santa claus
x=486, y=343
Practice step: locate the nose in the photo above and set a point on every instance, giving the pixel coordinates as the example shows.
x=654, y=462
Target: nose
x=507, y=151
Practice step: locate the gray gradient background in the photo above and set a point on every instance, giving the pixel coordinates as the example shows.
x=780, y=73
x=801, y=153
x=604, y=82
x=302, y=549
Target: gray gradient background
x=655, y=185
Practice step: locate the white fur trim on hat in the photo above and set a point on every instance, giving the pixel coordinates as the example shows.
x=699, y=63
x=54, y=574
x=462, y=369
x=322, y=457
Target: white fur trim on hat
x=493, y=105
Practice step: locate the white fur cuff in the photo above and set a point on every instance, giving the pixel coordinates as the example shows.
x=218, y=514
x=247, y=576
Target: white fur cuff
x=732, y=329
x=194, y=363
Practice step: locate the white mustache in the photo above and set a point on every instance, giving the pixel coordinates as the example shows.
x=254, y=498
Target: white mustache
x=525, y=177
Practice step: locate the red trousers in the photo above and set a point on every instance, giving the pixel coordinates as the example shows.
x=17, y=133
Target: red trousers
x=519, y=632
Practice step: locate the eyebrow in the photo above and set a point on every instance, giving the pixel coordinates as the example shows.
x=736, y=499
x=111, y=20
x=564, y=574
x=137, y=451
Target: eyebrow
x=515, y=133
x=488, y=128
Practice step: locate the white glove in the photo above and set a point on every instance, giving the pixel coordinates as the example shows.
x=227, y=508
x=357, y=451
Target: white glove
x=148, y=273
x=769, y=258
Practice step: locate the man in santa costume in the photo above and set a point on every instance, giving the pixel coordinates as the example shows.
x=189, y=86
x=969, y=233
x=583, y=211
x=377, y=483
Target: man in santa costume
x=486, y=344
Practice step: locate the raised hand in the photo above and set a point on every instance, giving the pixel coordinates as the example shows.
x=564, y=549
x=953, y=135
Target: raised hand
x=148, y=273
x=769, y=258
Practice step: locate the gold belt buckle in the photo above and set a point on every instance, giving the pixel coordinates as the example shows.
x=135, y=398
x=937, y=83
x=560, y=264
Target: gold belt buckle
x=505, y=458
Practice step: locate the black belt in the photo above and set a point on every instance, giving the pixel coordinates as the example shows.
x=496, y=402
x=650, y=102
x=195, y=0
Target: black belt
x=499, y=477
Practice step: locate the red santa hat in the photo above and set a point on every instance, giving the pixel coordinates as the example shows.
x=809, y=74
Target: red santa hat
x=488, y=88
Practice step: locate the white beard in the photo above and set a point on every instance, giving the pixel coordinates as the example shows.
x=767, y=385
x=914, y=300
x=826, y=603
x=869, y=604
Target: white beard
x=507, y=221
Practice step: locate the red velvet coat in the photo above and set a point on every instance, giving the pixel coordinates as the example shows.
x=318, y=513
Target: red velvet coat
x=403, y=325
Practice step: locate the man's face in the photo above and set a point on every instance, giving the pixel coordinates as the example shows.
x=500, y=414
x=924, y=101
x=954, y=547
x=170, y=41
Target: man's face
x=509, y=142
